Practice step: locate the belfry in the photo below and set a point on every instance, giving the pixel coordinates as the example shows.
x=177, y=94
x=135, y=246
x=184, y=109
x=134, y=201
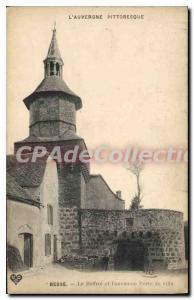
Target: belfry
x=52, y=105
x=53, y=63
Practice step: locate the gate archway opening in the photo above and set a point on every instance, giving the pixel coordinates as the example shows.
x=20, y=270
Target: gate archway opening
x=130, y=255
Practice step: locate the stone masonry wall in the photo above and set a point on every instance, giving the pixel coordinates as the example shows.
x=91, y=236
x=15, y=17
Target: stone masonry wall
x=69, y=230
x=51, y=116
x=71, y=185
x=160, y=230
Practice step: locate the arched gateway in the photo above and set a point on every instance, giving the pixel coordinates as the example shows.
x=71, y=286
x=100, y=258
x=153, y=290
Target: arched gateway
x=129, y=255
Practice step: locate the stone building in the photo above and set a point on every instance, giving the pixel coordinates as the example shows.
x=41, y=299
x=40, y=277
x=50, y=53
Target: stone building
x=32, y=210
x=59, y=209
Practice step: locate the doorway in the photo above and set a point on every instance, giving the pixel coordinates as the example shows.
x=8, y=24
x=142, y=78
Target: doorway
x=55, y=248
x=28, y=250
x=129, y=256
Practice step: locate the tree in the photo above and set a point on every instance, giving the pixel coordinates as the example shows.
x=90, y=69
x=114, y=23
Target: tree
x=136, y=169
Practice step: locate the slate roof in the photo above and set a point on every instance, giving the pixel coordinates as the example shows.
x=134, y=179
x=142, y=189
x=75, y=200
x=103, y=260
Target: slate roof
x=15, y=192
x=21, y=177
x=95, y=176
x=53, y=51
x=14, y=189
x=10, y=162
x=28, y=174
x=53, y=84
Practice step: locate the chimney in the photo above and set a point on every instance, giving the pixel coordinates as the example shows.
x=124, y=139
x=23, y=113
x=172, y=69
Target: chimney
x=118, y=193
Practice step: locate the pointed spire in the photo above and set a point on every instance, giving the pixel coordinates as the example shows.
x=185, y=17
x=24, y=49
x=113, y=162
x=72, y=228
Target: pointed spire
x=53, y=63
x=53, y=81
x=53, y=51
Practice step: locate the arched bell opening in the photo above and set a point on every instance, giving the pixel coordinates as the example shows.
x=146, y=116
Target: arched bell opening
x=57, y=69
x=52, y=69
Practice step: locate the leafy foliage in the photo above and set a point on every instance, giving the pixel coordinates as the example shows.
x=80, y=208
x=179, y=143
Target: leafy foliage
x=135, y=203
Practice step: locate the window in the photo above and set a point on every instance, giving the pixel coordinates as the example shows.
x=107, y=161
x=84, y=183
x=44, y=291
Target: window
x=47, y=244
x=133, y=235
x=129, y=222
x=57, y=69
x=50, y=214
x=52, y=68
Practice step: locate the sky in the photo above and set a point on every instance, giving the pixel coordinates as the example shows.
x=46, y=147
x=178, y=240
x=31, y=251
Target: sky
x=131, y=76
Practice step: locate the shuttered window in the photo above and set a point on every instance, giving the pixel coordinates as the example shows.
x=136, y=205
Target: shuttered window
x=47, y=244
x=50, y=214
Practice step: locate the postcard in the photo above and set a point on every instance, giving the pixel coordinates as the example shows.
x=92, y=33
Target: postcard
x=97, y=150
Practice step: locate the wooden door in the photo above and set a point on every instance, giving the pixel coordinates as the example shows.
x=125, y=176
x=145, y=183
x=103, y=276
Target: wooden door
x=28, y=250
x=55, y=248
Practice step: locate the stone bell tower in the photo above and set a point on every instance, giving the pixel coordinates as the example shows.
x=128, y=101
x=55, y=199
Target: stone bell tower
x=52, y=107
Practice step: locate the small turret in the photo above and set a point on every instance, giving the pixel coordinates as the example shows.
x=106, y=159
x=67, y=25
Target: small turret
x=53, y=63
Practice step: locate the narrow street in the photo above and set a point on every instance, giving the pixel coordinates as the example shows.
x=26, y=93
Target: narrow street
x=58, y=279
